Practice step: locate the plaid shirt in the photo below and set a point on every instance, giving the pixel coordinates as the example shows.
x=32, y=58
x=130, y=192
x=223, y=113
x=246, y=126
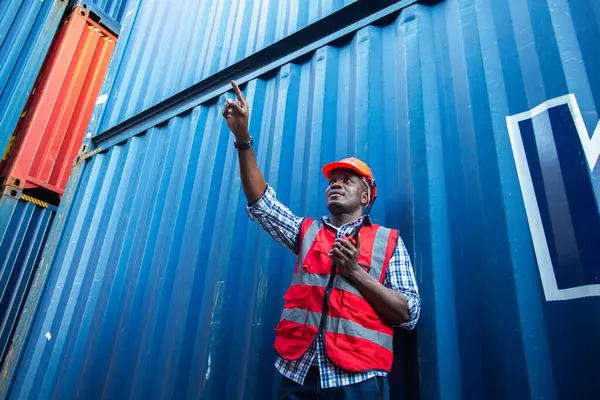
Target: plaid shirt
x=284, y=227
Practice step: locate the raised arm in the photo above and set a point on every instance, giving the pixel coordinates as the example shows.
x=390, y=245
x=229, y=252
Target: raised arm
x=263, y=207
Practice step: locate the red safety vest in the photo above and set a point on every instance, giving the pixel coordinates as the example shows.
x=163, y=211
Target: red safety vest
x=356, y=338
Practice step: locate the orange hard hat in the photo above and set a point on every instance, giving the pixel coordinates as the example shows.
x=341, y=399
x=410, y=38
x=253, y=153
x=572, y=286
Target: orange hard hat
x=359, y=167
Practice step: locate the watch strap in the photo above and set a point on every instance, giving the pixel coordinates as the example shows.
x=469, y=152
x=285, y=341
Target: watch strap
x=244, y=145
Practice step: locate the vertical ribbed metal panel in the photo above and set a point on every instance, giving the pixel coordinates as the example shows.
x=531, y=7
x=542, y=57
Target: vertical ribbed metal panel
x=26, y=31
x=159, y=286
x=24, y=227
x=172, y=47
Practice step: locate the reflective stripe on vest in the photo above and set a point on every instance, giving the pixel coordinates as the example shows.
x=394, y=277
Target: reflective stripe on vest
x=339, y=326
x=340, y=282
x=309, y=237
x=379, y=249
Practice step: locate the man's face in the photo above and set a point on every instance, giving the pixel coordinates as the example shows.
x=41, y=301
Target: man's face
x=346, y=192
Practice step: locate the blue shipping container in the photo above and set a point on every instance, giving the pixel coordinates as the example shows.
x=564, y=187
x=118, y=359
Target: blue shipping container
x=170, y=48
x=24, y=226
x=479, y=119
x=26, y=31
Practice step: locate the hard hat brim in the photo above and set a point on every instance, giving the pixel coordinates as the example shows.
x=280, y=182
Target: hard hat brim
x=329, y=168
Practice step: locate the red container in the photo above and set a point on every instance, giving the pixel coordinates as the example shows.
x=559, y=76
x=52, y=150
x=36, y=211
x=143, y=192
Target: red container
x=52, y=127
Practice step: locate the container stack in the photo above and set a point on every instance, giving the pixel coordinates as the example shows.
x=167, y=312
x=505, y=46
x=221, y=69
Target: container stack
x=41, y=151
x=26, y=32
x=478, y=120
x=37, y=160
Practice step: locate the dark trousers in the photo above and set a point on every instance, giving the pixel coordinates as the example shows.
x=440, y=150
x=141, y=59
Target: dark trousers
x=372, y=389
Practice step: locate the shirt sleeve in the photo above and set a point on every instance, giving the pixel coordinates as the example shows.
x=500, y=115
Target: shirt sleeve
x=276, y=219
x=400, y=276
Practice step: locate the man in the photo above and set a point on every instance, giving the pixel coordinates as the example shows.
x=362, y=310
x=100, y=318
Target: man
x=353, y=280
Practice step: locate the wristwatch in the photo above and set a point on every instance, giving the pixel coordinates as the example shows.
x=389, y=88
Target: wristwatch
x=244, y=145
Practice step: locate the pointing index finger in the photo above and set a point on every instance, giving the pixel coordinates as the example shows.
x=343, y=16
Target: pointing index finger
x=238, y=92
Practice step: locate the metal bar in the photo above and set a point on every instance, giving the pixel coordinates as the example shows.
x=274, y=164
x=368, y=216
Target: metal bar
x=327, y=30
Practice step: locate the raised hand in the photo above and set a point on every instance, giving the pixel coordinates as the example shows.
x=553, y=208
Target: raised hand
x=236, y=114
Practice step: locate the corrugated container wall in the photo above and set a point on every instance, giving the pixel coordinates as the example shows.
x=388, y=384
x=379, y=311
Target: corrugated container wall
x=24, y=227
x=55, y=120
x=479, y=120
x=196, y=40
x=26, y=31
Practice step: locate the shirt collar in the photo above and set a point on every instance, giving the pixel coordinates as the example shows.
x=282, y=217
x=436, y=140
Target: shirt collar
x=355, y=224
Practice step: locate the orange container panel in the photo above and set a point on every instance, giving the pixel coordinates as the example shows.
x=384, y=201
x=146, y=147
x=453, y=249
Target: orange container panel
x=52, y=127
